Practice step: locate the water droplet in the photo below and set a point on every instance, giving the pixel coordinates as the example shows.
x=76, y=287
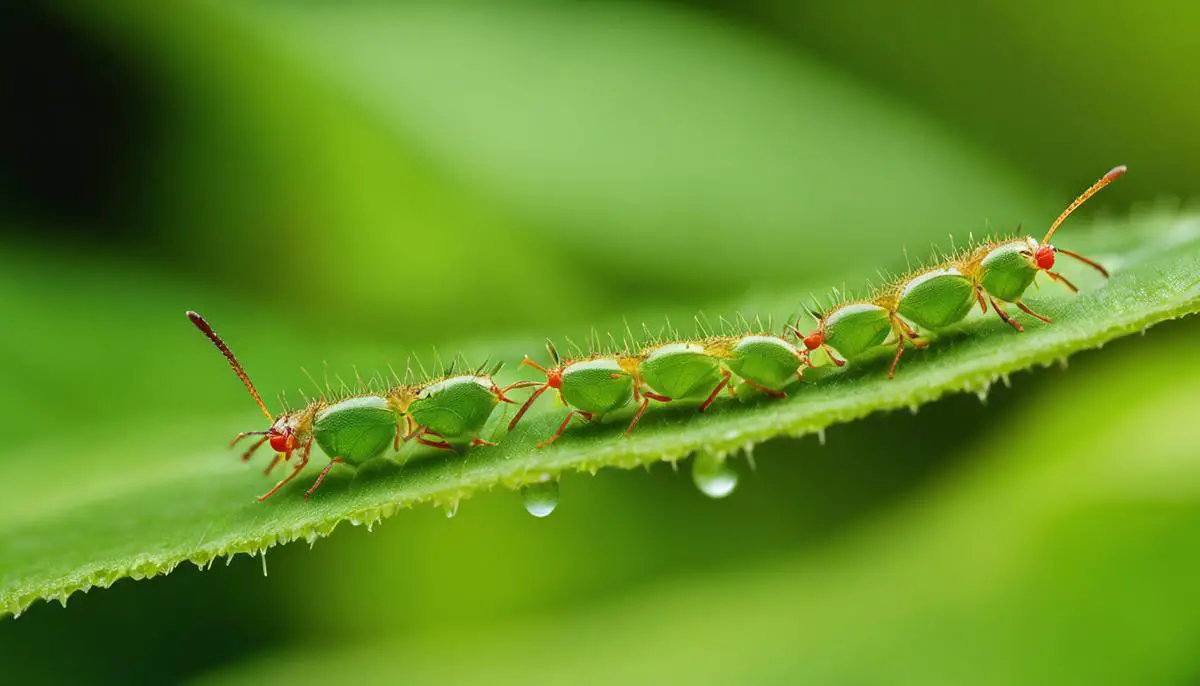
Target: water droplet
x=540, y=498
x=713, y=476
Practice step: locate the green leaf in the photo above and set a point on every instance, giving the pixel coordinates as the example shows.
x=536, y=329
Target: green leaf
x=66, y=530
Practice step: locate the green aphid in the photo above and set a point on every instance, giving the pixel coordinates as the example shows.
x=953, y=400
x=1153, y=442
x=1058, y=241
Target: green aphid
x=1002, y=271
x=452, y=411
x=591, y=388
x=768, y=363
x=851, y=329
x=681, y=371
x=362, y=427
x=356, y=429
x=937, y=298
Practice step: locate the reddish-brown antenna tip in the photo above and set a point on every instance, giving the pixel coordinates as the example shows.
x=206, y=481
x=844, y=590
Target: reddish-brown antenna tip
x=207, y=330
x=1114, y=173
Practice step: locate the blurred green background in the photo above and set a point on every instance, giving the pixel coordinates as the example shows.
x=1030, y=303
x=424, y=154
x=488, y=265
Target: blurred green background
x=352, y=182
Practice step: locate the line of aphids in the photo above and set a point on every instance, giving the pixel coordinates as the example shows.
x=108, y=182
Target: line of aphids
x=449, y=413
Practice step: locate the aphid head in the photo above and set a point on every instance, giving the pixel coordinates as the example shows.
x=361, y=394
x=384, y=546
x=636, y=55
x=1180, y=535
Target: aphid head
x=1043, y=257
x=553, y=373
x=814, y=340
x=282, y=434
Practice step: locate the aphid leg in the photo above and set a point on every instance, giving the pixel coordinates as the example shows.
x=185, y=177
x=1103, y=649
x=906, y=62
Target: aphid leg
x=274, y=461
x=1094, y=265
x=1004, y=316
x=645, y=397
x=982, y=302
x=1025, y=308
x=237, y=439
x=500, y=392
x=528, y=402
x=476, y=442
x=1055, y=276
x=768, y=391
x=587, y=416
x=904, y=334
x=250, y=451
x=837, y=361
x=716, y=391
x=896, y=359
x=321, y=477
x=440, y=445
x=911, y=333
x=638, y=416
x=300, y=465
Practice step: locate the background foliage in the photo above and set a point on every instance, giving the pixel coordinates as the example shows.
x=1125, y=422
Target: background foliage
x=351, y=183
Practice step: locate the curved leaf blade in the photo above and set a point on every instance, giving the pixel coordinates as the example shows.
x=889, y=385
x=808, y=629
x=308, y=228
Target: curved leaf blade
x=200, y=507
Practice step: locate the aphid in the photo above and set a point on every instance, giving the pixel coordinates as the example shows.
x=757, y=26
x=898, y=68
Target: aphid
x=993, y=273
x=590, y=387
x=360, y=427
x=766, y=362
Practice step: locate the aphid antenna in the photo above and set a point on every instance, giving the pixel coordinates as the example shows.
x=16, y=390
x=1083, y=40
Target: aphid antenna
x=207, y=330
x=1112, y=175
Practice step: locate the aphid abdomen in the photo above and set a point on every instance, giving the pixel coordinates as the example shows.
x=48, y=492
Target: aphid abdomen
x=767, y=361
x=937, y=299
x=455, y=409
x=596, y=386
x=1007, y=271
x=355, y=429
x=854, y=329
x=681, y=370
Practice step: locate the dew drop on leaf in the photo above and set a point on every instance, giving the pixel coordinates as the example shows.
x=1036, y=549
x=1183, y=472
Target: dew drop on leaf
x=713, y=476
x=540, y=498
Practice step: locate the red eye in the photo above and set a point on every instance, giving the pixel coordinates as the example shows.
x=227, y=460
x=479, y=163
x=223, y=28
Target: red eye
x=1044, y=258
x=283, y=443
x=814, y=340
